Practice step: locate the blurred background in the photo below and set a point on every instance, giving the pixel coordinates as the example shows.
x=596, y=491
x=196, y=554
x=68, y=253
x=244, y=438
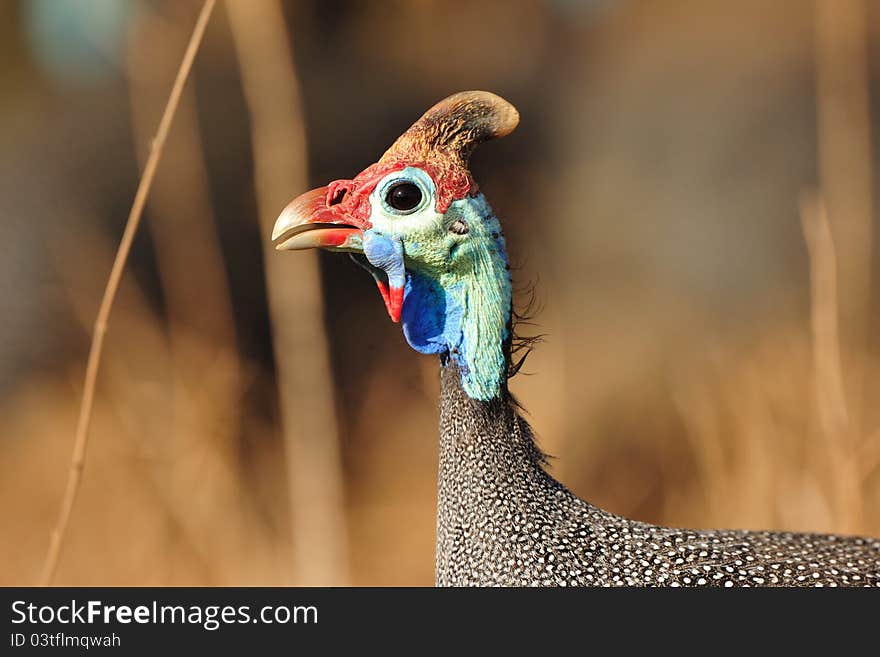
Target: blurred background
x=689, y=191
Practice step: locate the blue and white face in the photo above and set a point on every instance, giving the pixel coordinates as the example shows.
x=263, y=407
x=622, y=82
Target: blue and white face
x=404, y=208
x=403, y=201
x=394, y=219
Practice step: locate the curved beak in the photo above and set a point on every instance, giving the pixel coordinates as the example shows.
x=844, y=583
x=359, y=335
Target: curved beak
x=313, y=220
x=309, y=222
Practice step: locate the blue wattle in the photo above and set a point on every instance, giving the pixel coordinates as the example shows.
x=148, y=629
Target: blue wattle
x=431, y=318
x=455, y=289
x=386, y=253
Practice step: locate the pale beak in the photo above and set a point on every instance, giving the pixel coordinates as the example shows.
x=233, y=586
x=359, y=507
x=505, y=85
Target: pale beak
x=309, y=222
x=312, y=220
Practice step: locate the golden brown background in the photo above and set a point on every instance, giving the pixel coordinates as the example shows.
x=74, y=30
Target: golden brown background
x=673, y=164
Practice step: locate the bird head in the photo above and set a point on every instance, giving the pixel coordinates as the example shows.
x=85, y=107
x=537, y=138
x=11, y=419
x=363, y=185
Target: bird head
x=418, y=223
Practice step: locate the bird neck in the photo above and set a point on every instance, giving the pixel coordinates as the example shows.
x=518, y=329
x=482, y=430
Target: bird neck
x=461, y=309
x=487, y=457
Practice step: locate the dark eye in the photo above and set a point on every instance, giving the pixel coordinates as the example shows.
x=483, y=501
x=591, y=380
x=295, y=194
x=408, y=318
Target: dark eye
x=403, y=196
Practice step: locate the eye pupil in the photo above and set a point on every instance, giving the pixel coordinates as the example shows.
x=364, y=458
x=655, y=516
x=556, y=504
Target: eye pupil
x=404, y=196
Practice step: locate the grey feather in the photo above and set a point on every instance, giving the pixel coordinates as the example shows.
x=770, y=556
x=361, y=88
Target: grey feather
x=503, y=520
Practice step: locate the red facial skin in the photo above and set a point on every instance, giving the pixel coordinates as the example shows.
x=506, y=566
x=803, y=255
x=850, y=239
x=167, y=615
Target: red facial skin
x=439, y=144
x=352, y=197
x=347, y=202
x=393, y=298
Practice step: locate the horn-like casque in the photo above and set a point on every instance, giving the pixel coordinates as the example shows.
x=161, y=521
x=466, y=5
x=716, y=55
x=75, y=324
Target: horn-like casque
x=454, y=126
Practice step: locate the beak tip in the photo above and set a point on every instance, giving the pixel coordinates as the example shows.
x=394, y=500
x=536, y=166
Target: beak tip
x=281, y=224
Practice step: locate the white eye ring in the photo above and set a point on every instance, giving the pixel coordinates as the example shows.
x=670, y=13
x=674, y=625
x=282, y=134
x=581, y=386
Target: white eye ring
x=409, y=176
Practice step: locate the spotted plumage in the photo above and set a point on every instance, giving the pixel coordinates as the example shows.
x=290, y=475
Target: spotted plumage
x=418, y=223
x=502, y=520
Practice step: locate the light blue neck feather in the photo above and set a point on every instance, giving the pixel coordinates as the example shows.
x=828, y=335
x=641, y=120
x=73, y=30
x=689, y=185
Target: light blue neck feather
x=458, y=306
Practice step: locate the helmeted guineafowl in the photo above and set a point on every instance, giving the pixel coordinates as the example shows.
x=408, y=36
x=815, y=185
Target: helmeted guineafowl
x=417, y=221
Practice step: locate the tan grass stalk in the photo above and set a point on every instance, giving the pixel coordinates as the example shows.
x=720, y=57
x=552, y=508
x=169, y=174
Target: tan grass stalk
x=305, y=383
x=204, y=409
x=841, y=220
x=845, y=173
x=81, y=439
x=188, y=252
x=834, y=416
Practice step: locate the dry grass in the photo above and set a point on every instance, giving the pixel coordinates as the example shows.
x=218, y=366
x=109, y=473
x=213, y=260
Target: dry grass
x=171, y=499
x=168, y=498
x=296, y=307
x=188, y=477
x=81, y=438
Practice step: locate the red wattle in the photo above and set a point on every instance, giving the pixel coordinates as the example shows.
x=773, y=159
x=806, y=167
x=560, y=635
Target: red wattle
x=393, y=299
x=395, y=303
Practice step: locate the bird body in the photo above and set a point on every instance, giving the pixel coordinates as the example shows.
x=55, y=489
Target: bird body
x=502, y=520
x=418, y=223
